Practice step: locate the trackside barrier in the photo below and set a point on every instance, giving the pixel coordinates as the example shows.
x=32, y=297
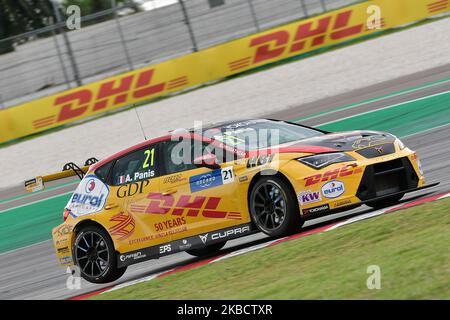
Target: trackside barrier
x=211, y=64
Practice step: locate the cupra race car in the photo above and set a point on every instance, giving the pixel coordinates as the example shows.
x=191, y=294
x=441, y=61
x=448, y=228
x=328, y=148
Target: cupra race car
x=144, y=203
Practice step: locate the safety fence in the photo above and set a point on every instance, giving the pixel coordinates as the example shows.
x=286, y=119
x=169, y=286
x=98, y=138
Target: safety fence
x=54, y=58
x=213, y=63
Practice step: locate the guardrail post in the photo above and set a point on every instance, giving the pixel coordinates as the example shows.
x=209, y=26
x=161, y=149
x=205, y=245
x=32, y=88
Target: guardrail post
x=60, y=57
x=76, y=73
x=254, y=16
x=305, y=9
x=121, y=35
x=188, y=24
x=324, y=7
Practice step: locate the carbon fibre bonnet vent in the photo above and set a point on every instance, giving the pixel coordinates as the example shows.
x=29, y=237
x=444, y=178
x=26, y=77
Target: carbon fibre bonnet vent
x=377, y=151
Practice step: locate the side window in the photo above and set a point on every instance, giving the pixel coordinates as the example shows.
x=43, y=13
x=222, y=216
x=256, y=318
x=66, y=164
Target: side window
x=103, y=172
x=136, y=166
x=175, y=158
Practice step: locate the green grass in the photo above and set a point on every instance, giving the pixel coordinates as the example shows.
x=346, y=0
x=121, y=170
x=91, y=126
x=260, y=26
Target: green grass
x=410, y=246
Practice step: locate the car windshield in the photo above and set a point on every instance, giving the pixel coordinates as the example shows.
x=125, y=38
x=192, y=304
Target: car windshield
x=255, y=134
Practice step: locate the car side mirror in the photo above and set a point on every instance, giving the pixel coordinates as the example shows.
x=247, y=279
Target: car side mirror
x=208, y=160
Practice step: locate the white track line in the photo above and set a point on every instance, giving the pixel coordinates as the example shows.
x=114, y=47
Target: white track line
x=37, y=201
x=385, y=108
x=393, y=95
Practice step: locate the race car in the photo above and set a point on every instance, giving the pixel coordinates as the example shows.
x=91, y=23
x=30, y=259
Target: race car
x=193, y=190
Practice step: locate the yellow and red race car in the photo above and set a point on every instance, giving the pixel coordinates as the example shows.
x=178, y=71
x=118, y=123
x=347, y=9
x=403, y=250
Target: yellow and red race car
x=194, y=190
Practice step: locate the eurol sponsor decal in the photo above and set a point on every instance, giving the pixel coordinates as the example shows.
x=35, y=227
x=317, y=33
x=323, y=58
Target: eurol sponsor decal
x=333, y=189
x=89, y=197
x=306, y=197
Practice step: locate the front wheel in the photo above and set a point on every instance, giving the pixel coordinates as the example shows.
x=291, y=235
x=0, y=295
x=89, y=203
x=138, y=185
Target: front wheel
x=274, y=207
x=95, y=256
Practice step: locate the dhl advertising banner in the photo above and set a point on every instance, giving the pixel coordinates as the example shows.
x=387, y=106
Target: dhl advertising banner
x=211, y=64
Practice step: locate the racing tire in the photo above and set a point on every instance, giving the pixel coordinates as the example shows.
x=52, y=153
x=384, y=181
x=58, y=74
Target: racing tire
x=94, y=254
x=207, y=251
x=390, y=201
x=274, y=207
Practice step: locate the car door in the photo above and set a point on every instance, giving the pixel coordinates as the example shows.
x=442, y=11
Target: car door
x=135, y=193
x=203, y=199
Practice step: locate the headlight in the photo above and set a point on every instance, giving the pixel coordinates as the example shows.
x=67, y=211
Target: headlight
x=400, y=144
x=322, y=160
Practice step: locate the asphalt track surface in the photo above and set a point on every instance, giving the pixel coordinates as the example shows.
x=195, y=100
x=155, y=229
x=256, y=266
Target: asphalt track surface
x=32, y=272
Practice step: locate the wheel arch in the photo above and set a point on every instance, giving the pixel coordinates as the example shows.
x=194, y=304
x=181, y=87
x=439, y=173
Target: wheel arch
x=269, y=172
x=89, y=222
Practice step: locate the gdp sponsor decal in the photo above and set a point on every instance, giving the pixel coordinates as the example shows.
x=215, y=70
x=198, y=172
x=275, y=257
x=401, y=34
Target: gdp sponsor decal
x=89, y=197
x=333, y=189
x=306, y=197
x=211, y=179
x=132, y=189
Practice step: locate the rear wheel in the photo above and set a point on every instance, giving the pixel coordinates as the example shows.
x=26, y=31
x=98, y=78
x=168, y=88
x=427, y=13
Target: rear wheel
x=390, y=201
x=94, y=254
x=208, y=250
x=274, y=207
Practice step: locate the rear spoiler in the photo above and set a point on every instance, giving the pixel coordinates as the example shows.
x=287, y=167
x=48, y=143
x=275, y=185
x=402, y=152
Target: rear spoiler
x=69, y=170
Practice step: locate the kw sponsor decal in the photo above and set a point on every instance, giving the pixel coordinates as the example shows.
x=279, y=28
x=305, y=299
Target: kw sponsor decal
x=330, y=175
x=316, y=210
x=333, y=189
x=108, y=94
x=309, y=196
x=184, y=205
x=124, y=225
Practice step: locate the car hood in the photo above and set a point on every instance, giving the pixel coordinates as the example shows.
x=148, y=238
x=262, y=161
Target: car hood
x=335, y=142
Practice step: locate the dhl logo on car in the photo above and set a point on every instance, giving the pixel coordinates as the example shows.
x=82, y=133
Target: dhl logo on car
x=330, y=175
x=190, y=206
